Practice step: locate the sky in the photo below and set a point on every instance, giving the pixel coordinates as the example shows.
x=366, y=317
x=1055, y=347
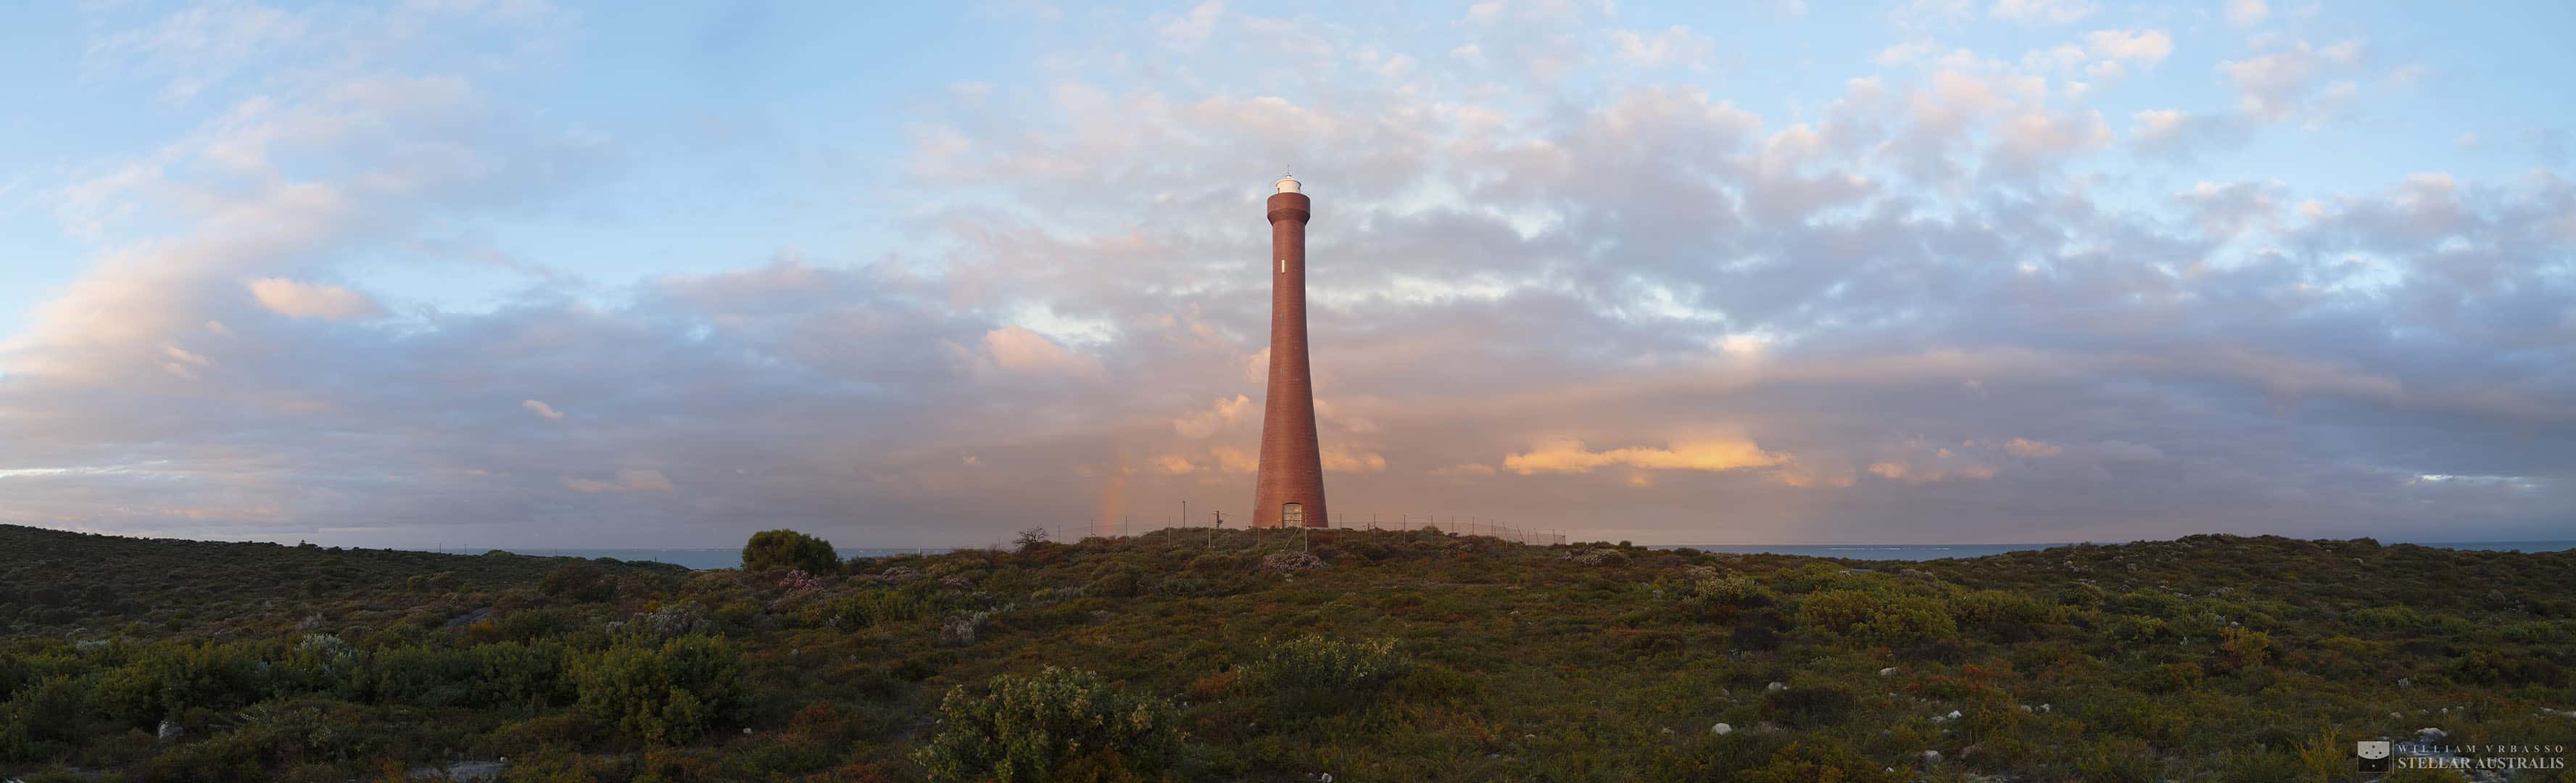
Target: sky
x=508, y=273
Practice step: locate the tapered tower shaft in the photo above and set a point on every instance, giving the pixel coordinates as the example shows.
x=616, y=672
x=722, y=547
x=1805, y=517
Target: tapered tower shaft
x=1289, y=491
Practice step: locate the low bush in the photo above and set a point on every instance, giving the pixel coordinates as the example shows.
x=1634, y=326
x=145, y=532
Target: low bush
x=1311, y=671
x=663, y=694
x=2245, y=647
x=1989, y=607
x=42, y=719
x=2168, y=678
x=1055, y=725
x=1896, y=621
x=422, y=676
x=1810, y=704
x=865, y=608
x=1717, y=598
x=579, y=580
x=777, y=549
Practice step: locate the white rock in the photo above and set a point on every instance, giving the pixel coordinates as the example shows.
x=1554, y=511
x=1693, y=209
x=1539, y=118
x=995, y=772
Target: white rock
x=1931, y=757
x=2026, y=708
x=1887, y=672
x=1776, y=687
x=2403, y=682
x=1668, y=729
x=2397, y=716
x=2430, y=734
x=2043, y=708
x=1721, y=729
x=1954, y=714
x=169, y=731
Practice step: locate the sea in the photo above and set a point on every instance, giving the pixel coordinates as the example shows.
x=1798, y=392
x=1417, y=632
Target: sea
x=710, y=558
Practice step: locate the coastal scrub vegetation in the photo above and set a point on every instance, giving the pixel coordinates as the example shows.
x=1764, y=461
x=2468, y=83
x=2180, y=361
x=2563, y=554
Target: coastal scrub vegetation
x=1200, y=655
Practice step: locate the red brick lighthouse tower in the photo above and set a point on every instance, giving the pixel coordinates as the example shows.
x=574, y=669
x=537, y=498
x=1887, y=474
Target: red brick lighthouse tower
x=1289, y=491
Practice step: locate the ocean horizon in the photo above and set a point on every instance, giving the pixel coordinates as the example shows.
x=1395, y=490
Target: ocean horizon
x=708, y=558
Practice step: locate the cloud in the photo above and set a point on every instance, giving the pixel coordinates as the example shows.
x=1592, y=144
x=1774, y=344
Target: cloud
x=2292, y=81
x=1340, y=458
x=2247, y=13
x=1570, y=456
x=2025, y=447
x=1224, y=415
x=541, y=409
x=2037, y=11
x=1021, y=350
x=1193, y=28
x=627, y=481
x=2147, y=47
x=2233, y=209
x=2179, y=135
x=1674, y=46
x=178, y=361
x=312, y=300
x=1234, y=460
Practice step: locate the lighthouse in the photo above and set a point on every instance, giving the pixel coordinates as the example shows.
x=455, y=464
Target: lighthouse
x=1289, y=490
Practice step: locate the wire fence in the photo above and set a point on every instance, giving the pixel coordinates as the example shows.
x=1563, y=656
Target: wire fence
x=1449, y=524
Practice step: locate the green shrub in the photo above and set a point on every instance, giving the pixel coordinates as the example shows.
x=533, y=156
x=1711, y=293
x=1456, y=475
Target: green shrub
x=1986, y=607
x=2117, y=760
x=421, y=676
x=582, y=580
x=1911, y=619
x=1053, y=725
x=1121, y=583
x=1722, y=598
x=2153, y=604
x=1821, y=758
x=2261, y=765
x=520, y=673
x=865, y=608
x=1810, y=704
x=2535, y=632
x=2135, y=630
x=1839, y=610
x=164, y=680
x=2245, y=647
x=2391, y=617
x=666, y=694
x=42, y=719
x=1871, y=617
x=1312, y=671
x=2167, y=678
x=769, y=549
x=531, y=624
